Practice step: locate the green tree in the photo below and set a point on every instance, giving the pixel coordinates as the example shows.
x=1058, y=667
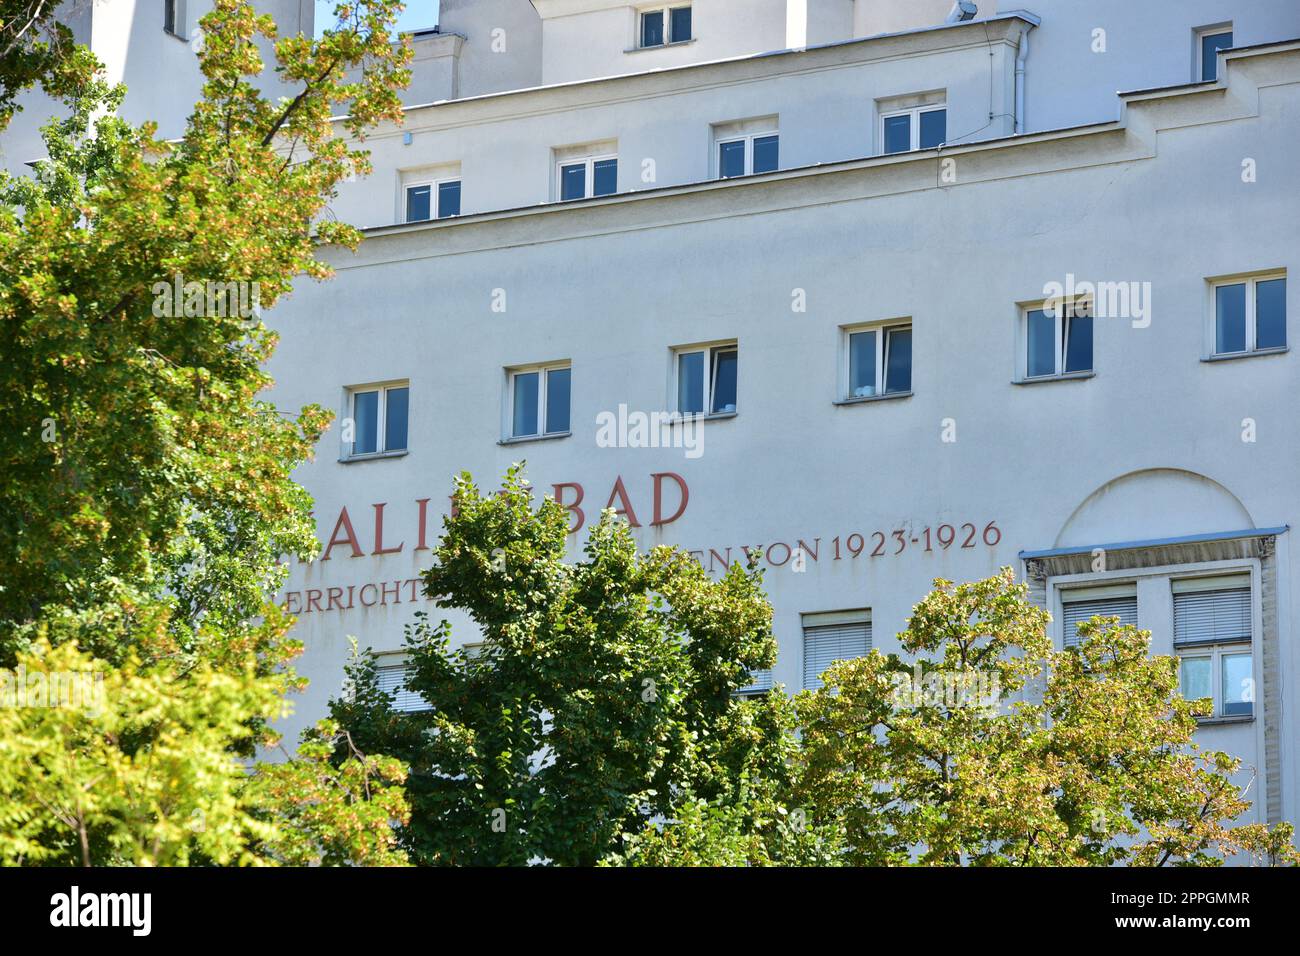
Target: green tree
x=146, y=499
x=1008, y=753
x=603, y=695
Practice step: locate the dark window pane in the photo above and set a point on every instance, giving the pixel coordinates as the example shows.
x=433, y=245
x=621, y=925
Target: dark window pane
x=681, y=23
x=1042, y=344
x=898, y=133
x=1238, y=685
x=1270, y=314
x=862, y=364
x=557, y=400
x=417, y=203
x=1211, y=44
x=652, y=28
x=395, y=415
x=525, y=404
x=934, y=128
x=169, y=15
x=449, y=199
x=766, y=150
x=724, y=380
x=573, y=181
x=605, y=177
x=1230, y=318
x=365, y=420
x=898, y=360
x=690, y=382
x=1078, y=343
x=731, y=159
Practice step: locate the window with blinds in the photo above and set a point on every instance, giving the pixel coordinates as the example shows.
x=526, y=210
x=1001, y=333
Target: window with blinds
x=392, y=680
x=760, y=683
x=1212, y=615
x=1076, y=610
x=833, y=637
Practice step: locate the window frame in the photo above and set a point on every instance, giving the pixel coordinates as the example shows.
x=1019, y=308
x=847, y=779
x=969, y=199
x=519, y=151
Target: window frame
x=381, y=420
x=176, y=12
x=665, y=10
x=884, y=330
x=387, y=660
x=711, y=351
x=589, y=183
x=1215, y=653
x=914, y=126
x=435, y=198
x=1199, y=36
x=1251, y=282
x=543, y=372
x=748, y=140
x=1065, y=313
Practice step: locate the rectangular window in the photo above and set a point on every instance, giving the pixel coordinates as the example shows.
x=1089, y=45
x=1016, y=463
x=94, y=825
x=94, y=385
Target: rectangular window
x=1212, y=637
x=828, y=638
x=880, y=361
x=174, y=17
x=665, y=25
x=539, y=401
x=1058, y=339
x=1249, y=315
x=393, y=673
x=1078, y=606
x=584, y=178
x=920, y=127
x=379, y=419
x=744, y=155
x=707, y=379
x=434, y=200
x=1210, y=43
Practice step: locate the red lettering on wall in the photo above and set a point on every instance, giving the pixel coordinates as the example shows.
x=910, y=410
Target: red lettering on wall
x=344, y=523
x=684, y=497
x=379, y=532
x=620, y=493
x=559, y=499
x=424, y=524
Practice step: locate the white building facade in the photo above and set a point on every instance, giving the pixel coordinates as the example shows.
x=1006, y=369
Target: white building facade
x=944, y=300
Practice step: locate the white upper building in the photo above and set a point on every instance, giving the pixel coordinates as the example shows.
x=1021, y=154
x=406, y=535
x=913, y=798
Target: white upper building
x=836, y=231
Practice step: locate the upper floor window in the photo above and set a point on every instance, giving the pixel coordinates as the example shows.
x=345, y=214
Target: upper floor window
x=748, y=154
x=831, y=637
x=539, y=401
x=1212, y=638
x=174, y=17
x=1083, y=604
x=379, y=415
x=706, y=379
x=1058, y=339
x=879, y=360
x=1249, y=315
x=432, y=200
x=662, y=25
x=918, y=127
x=590, y=176
x=1209, y=41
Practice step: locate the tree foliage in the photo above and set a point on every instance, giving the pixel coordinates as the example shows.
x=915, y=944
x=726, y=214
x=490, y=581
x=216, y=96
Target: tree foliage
x=1084, y=758
x=603, y=695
